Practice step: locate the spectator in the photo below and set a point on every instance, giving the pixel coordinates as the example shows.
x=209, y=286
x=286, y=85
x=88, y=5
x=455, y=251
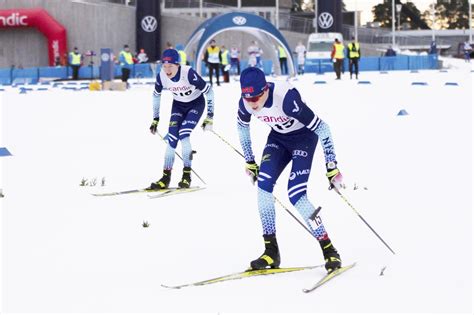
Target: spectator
x=253, y=51
x=300, y=52
x=183, y=58
x=213, y=60
x=283, y=60
x=259, y=58
x=75, y=61
x=433, y=50
x=390, y=52
x=142, y=57
x=467, y=51
x=126, y=62
x=235, y=60
x=353, y=53
x=225, y=63
x=337, y=56
x=391, y=60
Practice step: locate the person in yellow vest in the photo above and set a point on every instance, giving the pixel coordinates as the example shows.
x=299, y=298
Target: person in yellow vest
x=283, y=60
x=213, y=58
x=126, y=61
x=337, y=56
x=353, y=53
x=75, y=61
x=183, y=57
x=225, y=63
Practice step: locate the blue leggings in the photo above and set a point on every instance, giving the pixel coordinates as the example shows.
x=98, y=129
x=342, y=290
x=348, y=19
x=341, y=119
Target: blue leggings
x=184, y=119
x=279, y=151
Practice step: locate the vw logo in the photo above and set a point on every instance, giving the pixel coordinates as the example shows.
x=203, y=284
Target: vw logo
x=149, y=23
x=239, y=20
x=325, y=20
x=292, y=175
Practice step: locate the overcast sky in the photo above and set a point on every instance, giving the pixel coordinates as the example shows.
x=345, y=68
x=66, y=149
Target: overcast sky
x=366, y=6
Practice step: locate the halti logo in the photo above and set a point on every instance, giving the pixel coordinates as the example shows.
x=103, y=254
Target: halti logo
x=149, y=23
x=325, y=20
x=298, y=173
x=15, y=19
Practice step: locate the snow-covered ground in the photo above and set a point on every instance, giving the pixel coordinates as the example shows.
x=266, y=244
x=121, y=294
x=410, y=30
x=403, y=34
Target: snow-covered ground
x=64, y=250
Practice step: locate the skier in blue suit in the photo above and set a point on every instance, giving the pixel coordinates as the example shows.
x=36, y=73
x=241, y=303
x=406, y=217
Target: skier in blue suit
x=293, y=138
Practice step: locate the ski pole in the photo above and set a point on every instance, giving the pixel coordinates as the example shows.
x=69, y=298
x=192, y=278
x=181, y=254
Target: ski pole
x=177, y=154
x=226, y=142
x=276, y=199
x=360, y=216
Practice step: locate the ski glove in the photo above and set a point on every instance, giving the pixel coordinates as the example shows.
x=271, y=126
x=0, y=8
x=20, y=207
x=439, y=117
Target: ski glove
x=334, y=176
x=207, y=124
x=154, y=125
x=251, y=168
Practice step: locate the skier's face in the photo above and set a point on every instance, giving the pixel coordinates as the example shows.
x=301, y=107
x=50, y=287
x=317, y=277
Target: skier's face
x=257, y=102
x=170, y=69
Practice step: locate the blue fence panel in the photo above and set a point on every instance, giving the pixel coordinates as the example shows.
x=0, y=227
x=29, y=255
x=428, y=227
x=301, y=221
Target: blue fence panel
x=25, y=76
x=117, y=71
x=5, y=76
x=369, y=64
x=32, y=75
x=53, y=72
x=88, y=72
x=423, y=62
x=320, y=65
x=143, y=70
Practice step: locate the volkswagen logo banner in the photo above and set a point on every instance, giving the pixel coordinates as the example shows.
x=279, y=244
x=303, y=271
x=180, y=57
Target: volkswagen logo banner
x=148, y=28
x=329, y=16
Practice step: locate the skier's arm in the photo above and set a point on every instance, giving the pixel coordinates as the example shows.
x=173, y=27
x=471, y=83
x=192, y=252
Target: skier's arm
x=243, y=128
x=156, y=104
x=294, y=107
x=195, y=79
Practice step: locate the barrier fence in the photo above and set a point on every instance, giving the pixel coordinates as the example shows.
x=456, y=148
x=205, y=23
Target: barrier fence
x=12, y=76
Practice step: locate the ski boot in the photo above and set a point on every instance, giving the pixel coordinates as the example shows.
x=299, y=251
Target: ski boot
x=163, y=183
x=331, y=256
x=186, y=179
x=270, y=258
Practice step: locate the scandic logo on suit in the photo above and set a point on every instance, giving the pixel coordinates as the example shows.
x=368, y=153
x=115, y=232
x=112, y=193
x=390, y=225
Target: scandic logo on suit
x=149, y=23
x=325, y=20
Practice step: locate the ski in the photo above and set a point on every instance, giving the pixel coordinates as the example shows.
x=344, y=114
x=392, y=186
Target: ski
x=328, y=277
x=123, y=192
x=134, y=191
x=242, y=275
x=174, y=191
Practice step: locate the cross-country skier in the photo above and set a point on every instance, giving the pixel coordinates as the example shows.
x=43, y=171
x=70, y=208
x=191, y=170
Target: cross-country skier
x=188, y=90
x=293, y=138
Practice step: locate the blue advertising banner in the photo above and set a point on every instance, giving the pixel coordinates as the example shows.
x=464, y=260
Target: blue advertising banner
x=106, y=64
x=148, y=28
x=329, y=16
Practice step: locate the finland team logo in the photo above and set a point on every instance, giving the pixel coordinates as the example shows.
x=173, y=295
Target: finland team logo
x=149, y=23
x=239, y=20
x=325, y=20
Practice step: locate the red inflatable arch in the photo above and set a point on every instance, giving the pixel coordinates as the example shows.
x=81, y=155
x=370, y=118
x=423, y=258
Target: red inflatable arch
x=39, y=18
